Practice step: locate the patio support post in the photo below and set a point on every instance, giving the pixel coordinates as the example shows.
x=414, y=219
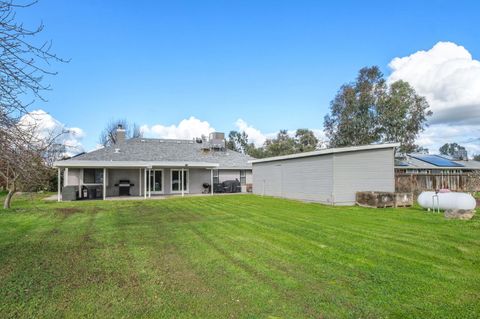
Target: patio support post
x=104, y=183
x=59, y=196
x=211, y=181
x=181, y=183
x=145, y=183
x=139, y=182
x=149, y=184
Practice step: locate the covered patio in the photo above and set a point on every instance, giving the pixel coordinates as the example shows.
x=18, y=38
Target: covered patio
x=108, y=179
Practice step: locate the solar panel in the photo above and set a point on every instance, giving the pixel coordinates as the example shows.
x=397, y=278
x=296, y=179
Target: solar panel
x=400, y=163
x=436, y=160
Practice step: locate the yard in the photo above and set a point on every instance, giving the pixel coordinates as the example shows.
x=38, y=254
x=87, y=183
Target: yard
x=234, y=256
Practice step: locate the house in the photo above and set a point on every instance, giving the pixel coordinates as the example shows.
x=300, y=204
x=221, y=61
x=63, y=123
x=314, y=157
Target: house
x=329, y=176
x=148, y=167
x=420, y=172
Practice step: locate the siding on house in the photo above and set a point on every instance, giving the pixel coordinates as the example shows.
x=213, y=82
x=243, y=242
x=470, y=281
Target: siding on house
x=308, y=179
x=370, y=170
x=328, y=176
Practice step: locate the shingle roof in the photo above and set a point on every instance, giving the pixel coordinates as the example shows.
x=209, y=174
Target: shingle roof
x=166, y=150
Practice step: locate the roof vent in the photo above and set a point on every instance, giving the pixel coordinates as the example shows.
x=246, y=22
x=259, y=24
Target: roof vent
x=117, y=150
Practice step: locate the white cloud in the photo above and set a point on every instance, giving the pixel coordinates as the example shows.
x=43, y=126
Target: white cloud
x=437, y=135
x=254, y=135
x=186, y=129
x=448, y=77
x=46, y=126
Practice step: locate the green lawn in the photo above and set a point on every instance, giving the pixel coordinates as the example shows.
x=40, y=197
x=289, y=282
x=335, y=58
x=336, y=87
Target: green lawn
x=234, y=256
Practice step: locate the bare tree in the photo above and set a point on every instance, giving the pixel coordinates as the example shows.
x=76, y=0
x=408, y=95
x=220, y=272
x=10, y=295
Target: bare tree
x=23, y=65
x=109, y=134
x=26, y=157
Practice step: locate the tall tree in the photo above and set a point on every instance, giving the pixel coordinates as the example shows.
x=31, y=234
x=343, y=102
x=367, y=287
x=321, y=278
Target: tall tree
x=369, y=111
x=238, y=141
x=24, y=64
x=401, y=115
x=352, y=117
x=282, y=144
x=109, y=134
x=454, y=150
x=305, y=140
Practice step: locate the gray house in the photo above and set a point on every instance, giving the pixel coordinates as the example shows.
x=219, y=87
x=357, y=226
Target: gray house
x=149, y=167
x=330, y=176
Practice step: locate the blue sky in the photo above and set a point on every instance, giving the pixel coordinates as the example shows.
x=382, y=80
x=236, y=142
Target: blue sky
x=274, y=64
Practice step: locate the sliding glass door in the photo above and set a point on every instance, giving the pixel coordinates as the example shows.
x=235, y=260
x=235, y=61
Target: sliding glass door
x=176, y=182
x=155, y=184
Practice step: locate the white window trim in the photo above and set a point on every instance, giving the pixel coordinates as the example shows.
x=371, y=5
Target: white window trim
x=186, y=191
x=163, y=181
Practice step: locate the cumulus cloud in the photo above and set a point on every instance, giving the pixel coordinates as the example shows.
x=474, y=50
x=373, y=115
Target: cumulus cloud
x=254, y=135
x=448, y=77
x=437, y=135
x=186, y=129
x=46, y=126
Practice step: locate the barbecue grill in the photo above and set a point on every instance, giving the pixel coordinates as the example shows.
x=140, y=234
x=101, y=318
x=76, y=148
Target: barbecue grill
x=124, y=187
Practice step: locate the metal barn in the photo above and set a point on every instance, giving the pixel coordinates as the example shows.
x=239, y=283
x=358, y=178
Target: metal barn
x=329, y=176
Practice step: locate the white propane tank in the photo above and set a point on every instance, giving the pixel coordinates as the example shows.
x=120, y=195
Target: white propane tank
x=447, y=200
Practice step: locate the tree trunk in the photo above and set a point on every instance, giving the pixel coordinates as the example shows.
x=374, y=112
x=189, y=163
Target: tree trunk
x=8, y=199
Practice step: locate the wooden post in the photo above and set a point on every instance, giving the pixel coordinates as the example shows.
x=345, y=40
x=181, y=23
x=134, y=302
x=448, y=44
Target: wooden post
x=59, y=195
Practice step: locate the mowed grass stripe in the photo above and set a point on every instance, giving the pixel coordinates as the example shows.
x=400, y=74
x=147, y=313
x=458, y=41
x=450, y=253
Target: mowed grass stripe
x=235, y=256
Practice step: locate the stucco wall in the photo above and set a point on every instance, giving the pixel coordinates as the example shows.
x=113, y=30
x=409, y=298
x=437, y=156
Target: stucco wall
x=115, y=175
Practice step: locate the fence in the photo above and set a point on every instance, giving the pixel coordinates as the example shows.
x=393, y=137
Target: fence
x=416, y=183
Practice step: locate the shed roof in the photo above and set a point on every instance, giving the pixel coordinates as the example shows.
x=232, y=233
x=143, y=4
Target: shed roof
x=327, y=151
x=148, y=151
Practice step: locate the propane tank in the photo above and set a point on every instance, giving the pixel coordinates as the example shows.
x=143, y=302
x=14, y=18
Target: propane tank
x=452, y=200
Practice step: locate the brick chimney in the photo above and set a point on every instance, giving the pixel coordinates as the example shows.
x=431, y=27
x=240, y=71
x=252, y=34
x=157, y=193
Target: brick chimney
x=120, y=134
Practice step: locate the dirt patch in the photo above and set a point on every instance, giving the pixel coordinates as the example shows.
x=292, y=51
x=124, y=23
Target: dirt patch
x=67, y=211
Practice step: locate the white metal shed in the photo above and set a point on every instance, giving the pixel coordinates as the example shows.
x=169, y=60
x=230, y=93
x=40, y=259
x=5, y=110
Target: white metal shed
x=331, y=176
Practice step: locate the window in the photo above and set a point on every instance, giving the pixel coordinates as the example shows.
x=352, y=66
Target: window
x=92, y=176
x=216, y=179
x=176, y=181
x=243, y=177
